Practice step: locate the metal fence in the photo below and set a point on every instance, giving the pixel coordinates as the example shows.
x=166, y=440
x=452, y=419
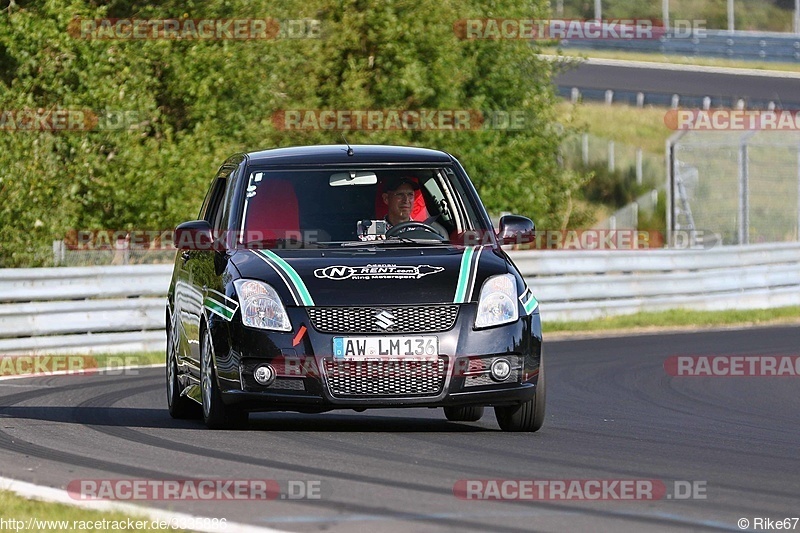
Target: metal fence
x=735, y=187
x=648, y=169
x=588, y=149
x=122, y=308
x=628, y=216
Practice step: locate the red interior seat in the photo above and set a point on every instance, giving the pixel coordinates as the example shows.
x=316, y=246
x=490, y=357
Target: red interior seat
x=273, y=212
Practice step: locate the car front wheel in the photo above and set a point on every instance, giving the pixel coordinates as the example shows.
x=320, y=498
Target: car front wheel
x=528, y=416
x=179, y=406
x=216, y=414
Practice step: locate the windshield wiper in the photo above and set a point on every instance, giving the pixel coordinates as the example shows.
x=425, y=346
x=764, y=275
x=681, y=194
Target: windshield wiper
x=283, y=244
x=401, y=241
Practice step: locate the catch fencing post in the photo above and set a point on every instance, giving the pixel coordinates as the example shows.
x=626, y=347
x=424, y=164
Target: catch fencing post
x=744, y=193
x=731, y=27
x=638, y=166
x=58, y=252
x=611, y=162
x=585, y=149
x=670, y=186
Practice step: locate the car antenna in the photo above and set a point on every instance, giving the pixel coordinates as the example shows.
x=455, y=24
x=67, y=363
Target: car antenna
x=349, y=149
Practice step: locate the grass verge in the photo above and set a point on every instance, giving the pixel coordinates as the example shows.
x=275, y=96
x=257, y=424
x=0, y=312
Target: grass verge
x=36, y=515
x=678, y=318
x=640, y=127
x=128, y=359
x=43, y=364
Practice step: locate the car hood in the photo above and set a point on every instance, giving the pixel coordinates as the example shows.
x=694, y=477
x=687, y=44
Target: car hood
x=395, y=276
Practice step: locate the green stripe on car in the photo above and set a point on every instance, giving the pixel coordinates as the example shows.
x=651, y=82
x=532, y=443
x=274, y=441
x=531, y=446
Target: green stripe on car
x=530, y=305
x=294, y=277
x=463, y=275
x=528, y=301
x=218, y=309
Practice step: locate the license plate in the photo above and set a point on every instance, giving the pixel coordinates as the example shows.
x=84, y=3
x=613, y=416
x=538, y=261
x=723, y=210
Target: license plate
x=364, y=348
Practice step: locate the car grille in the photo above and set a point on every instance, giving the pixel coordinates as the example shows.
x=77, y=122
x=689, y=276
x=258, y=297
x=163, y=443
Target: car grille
x=372, y=379
x=288, y=384
x=416, y=319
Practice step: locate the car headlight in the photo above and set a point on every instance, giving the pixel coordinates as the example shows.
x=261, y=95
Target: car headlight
x=498, y=302
x=261, y=306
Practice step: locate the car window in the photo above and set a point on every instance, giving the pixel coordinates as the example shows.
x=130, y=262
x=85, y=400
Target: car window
x=215, y=207
x=302, y=205
x=230, y=179
x=464, y=213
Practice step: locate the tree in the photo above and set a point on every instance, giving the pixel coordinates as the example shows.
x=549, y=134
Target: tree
x=186, y=104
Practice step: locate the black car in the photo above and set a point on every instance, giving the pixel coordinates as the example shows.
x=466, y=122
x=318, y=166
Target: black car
x=300, y=289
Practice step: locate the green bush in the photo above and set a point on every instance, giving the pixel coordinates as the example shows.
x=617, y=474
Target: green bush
x=194, y=103
x=615, y=189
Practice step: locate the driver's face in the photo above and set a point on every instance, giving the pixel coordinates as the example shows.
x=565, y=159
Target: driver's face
x=400, y=202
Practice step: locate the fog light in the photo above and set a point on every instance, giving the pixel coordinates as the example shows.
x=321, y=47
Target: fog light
x=264, y=375
x=501, y=369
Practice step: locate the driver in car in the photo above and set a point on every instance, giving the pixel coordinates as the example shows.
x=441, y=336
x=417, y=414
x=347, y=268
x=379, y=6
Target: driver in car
x=398, y=196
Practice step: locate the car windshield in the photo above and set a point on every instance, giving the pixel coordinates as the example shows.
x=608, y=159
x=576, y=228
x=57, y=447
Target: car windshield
x=308, y=208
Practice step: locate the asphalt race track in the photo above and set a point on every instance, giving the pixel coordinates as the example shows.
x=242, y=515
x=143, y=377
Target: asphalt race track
x=785, y=92
x=613, y=414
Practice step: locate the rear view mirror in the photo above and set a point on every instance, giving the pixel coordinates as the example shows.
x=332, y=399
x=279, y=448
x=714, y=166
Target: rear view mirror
x=515, y=229
x=194, y=235
x=353, y=178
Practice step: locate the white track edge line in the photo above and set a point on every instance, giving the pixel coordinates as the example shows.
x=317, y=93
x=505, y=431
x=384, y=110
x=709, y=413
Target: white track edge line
x=88, y=372
x=50, y=494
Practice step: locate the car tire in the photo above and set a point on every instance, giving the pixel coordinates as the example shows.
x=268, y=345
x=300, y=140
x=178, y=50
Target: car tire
x=528, y=416
x=216, y=414
x=469, y=413
x=180, y=406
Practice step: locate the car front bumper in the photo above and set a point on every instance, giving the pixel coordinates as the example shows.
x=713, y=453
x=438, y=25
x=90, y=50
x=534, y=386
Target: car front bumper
x=309, y=379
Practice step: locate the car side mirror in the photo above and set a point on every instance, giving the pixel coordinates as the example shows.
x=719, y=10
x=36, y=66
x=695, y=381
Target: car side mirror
x=515, y=229
x=194, y=235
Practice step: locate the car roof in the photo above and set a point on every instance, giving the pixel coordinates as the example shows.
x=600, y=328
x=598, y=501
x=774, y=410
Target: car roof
x=336, y=154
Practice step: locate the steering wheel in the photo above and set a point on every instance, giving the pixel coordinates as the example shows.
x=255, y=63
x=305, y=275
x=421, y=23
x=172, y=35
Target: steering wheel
x=412, y=225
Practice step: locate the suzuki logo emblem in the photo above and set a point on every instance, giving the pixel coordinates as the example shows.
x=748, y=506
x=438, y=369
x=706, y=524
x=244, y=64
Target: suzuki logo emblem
x=385, y=320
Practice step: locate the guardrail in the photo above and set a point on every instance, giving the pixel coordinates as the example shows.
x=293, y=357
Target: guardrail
x=83, y=309
x=583, y=285
x=121, y=308
x=746, y=45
